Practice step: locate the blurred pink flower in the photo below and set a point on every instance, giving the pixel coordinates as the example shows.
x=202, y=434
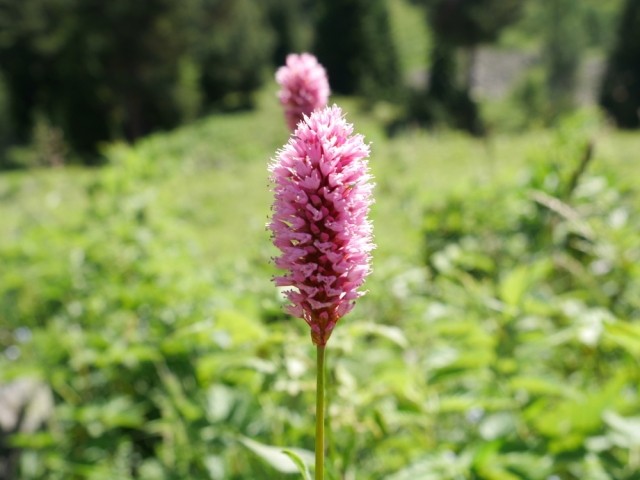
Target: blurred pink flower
x=323, y=191
x=303, y=87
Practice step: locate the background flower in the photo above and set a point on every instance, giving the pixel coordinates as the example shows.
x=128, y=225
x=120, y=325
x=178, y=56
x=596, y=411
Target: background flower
x=304, y=87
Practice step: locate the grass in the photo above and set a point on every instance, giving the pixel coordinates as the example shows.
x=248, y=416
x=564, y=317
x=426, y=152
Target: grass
x=224, y=174
x=215, y=174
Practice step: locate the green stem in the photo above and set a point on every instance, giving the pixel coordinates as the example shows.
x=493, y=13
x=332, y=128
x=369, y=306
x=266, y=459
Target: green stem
x=320, y=413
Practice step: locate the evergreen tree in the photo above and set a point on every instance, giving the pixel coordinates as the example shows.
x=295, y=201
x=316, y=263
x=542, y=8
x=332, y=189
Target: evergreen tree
x=354, y=43
x=620, y=94
x=234, y=46
x=565, y=41
x=101, y=70
x=456, y=25
x=468, y=23
x=95, y=69
x=292, y=23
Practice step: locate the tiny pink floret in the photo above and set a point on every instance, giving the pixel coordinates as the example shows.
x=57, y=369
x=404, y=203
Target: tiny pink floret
x=323, y=193
x=303, y=87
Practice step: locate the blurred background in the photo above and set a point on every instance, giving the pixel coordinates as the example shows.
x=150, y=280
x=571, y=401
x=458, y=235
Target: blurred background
x=140, y=334
x=76, y=74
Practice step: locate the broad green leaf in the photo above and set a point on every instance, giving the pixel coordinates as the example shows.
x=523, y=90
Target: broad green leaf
x=538, y=386
x=215, y=467
x=497, y=425
x=436, y=466
x=393, y=334
x=514, y=285
x=220, y=400
x=625, y=431
x=533, y=466
x=240, y=327
x=276, y=457
x=627, y=335
x=302, y=466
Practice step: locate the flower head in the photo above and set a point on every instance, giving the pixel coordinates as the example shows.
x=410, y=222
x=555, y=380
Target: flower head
x=303, y=87
x=323, y=192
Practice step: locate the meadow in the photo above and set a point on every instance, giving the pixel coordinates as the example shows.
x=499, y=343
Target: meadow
x=499, y=338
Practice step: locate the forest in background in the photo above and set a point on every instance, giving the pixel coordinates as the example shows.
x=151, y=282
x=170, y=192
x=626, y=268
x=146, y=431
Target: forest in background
x=76, y=74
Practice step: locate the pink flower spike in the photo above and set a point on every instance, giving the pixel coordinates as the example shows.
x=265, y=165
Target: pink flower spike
x=303, y=87
x=323, y=193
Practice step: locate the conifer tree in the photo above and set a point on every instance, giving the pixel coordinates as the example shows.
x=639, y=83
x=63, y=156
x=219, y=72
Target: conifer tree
x=354, y=43
x=460, y=25
x=620, y=94
x=100, y=70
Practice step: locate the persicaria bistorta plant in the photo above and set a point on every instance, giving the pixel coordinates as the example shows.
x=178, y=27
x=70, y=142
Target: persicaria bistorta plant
x=323, y=192
x=303, y=87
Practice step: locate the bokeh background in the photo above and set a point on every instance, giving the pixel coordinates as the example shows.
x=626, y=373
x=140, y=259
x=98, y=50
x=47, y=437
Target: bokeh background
x=141, y=336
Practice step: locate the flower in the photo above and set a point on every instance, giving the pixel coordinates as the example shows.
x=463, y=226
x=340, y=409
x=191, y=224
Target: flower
x=303, y=87
x=323, y=192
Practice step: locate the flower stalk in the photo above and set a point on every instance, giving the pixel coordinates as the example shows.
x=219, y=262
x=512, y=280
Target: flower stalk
x=323, y=192
x=320, y=408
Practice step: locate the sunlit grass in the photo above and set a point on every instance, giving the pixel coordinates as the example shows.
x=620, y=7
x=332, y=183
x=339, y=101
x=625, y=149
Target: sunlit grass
x=215, y=175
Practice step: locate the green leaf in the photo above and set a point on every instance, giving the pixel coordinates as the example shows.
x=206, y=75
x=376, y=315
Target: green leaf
x=497, y=425
x=393, y=334
x=626, y=335
x=220, y=401
x=302, y=466
x=436, y=466
x=514, y=285
x=537, y=386
x=625, y=431
x=215, y=466
x=276, y=456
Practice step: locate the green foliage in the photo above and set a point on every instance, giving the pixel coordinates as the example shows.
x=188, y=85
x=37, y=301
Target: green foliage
x=526, y=107
x=354, y=42
x=547, y=269
x=140, y=293
x=620, y=94
x=124, y=332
